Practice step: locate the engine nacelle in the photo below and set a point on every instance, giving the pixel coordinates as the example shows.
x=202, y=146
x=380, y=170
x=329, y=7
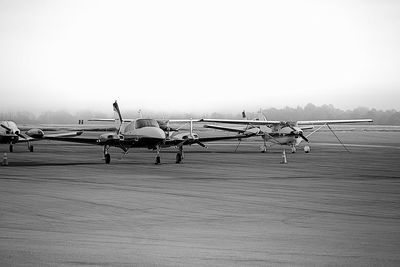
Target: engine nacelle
x=108, y=137
x=252, y=131
x=184, y=136
x=35, y=133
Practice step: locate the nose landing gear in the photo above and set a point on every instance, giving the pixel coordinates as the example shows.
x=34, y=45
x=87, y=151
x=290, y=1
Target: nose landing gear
x=179, y=155
x=158, y=158
x=107, y=156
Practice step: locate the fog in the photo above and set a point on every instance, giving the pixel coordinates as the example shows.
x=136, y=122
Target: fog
x=198, y=56
x=308, y=112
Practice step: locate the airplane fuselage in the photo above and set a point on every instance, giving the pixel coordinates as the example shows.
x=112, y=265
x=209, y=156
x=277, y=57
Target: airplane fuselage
x=281, y=135
x=143, y=133
x=9, y=132
x=138, y=133
x=282, y=139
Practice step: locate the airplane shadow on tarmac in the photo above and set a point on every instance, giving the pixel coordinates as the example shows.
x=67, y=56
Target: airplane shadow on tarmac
x=116, y=162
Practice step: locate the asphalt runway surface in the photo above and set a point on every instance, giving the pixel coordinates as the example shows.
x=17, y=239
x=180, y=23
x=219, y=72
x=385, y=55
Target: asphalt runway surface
x=62, y=206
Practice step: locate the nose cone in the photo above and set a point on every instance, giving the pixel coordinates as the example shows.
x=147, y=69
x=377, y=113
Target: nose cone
x=153, y=133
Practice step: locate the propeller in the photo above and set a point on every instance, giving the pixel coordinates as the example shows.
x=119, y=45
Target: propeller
x=200, y=144
x=7, y=128
x=297, y=131
x=302, y=136
x=118, y=112
x=16, y=133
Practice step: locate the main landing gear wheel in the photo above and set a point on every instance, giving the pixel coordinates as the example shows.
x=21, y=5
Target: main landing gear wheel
x=178, y=158
x=107, y=158
x=31, y=148
x=158, y=158
x=11, y=148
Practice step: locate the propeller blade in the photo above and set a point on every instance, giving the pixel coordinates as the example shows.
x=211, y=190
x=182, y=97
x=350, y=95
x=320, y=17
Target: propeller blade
x=5, y=127
x=116, y=110
x=181, y=143
x=200, y=144
x=304, y=138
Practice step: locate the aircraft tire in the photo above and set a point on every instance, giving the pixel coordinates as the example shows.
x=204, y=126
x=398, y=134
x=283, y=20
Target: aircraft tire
x=158, y=160
x=107, y=158
x=11, y=148
x=178, y=158
x=30, y=148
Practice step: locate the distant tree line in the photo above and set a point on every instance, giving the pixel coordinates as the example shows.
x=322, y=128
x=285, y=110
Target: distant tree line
x=309, y=112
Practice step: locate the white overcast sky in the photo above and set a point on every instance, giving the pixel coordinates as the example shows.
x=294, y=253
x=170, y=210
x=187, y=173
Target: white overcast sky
x=198, y=55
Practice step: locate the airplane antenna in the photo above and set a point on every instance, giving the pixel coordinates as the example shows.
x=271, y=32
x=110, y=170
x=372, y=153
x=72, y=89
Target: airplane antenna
x=191, y=127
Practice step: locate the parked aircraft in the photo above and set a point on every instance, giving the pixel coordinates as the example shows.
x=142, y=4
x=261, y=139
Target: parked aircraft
x=180, y=139
x=142, y=133
x=280, y=132
x=11, y=134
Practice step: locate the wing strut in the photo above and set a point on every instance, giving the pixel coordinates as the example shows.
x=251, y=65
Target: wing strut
x=337, y=138
x=245, y=129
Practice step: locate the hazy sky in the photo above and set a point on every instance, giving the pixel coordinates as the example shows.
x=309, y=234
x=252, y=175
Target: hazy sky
x=198, y=55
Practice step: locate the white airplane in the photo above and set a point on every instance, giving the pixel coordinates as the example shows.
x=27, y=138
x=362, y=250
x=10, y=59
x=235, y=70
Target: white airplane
x=141, y=133
x=280, y=132
x=180, y=139
x=11, y=134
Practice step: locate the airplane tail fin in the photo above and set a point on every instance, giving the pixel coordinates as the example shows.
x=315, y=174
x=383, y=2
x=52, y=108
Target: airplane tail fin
x=118, y=117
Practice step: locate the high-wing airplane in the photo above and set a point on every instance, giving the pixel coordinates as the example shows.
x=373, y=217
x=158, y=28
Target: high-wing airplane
x=179, y=139
x=280, y=132
x=11, y=134
x=141, y=133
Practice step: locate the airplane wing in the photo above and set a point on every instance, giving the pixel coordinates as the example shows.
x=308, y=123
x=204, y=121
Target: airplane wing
x=82, y=140
x=40, y=135
x=90, y=140
x=255, y=122
x=201, y=140
x=182, y=120
x=110, y=120
x=321, y=122
x=218, y=138
x=68, y=127
x=223, y=128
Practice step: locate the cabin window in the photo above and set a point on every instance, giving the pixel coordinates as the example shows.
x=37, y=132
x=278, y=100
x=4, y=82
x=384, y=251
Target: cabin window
x=140, y=123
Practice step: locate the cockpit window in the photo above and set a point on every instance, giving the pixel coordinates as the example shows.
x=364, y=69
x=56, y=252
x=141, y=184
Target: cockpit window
x=140, y=123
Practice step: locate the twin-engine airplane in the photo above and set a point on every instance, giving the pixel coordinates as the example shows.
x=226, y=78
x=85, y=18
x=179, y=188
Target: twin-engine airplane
x=11, y=134
x=143, y=133
x=280, y=132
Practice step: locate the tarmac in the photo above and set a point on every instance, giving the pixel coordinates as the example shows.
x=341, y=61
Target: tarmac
x=62, y=206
